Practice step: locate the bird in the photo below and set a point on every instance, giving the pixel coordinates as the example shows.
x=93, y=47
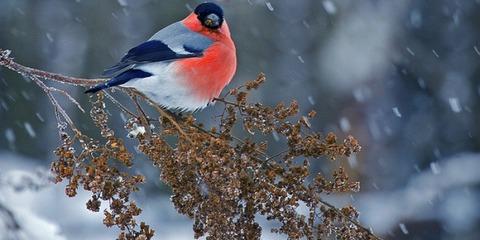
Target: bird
x=184, y=66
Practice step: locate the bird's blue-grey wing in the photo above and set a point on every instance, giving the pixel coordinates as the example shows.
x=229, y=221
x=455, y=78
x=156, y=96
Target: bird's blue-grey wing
x=173, y=42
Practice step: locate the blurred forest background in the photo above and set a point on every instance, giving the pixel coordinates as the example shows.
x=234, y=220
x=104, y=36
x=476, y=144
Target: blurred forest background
x=402, y=76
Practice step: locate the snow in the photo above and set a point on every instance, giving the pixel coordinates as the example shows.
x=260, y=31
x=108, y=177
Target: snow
x=189, y=7
x=7, y=52
x=275, y=136
x=306, y=24
x=123, y=117
x=311, y=100
x=403, y=228
x=39, y=117
x=454, y=105
x=416, y=18
x=25, y=95
x=396, y=112
x=136, y=130
x=434, y=167
x=361, y=94
x=39, y=207
x=457, y=207
x=300, y=58
x=18, y=187
x=269, y=6
x=10, y=135
x=426, y=196
x=329, y=7
x=4, y=105
x=374, y=129
x=421, y=83
x=437, y=153
x=456, y=17
x=407, y=107
x=410, y=51
x=345, y=124
x=20, y=180
x=29, y=129
x=476, y=50
x=49, y=37
x=360, y=46
x=122, y=3
x=352, y=161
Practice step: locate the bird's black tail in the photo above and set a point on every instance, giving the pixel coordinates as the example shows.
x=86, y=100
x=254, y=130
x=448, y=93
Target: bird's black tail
x=97, y=88
x=120, y=79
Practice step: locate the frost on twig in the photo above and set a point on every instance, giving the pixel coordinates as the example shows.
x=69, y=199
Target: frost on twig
x=219, y=180
x=8, y=62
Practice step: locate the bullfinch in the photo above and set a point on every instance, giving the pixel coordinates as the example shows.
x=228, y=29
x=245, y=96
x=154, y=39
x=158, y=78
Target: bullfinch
x=183, y=66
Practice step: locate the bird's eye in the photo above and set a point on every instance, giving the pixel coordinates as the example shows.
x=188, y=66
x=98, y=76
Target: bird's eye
x=212, y=21
x=209, y=22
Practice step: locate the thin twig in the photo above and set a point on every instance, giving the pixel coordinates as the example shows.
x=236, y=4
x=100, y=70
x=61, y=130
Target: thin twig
x=123, y=108
x=8, y=62
x=144, y=117
x=161, y=111
x=354, y=222
x=278, y=154
x=68, y=96
x=226, y=102
x=118, y=104
x=267, y=158
x=55, y=103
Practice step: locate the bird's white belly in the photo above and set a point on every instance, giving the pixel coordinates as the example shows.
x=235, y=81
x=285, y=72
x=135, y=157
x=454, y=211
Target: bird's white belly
x=166, y=87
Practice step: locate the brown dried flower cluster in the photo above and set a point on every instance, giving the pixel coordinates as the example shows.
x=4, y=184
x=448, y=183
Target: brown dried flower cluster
x=223, y=182
x=98, y=169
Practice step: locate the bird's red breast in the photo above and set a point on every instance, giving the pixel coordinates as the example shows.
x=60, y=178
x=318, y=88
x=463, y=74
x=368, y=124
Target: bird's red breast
x=209, y=74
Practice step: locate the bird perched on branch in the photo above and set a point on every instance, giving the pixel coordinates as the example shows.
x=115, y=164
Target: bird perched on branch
x=183, y=66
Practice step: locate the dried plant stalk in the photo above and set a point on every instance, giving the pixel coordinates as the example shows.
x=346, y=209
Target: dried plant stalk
x=221, y=181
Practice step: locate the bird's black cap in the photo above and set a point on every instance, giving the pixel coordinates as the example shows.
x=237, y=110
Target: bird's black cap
x=210, y=15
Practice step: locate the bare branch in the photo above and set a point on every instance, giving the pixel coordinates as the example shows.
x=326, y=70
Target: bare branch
x=68, y=96
x=7, y=61
x=118, y=104
x=58, y=108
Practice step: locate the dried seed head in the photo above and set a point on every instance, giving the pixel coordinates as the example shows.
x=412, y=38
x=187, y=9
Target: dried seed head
x=219, y=180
